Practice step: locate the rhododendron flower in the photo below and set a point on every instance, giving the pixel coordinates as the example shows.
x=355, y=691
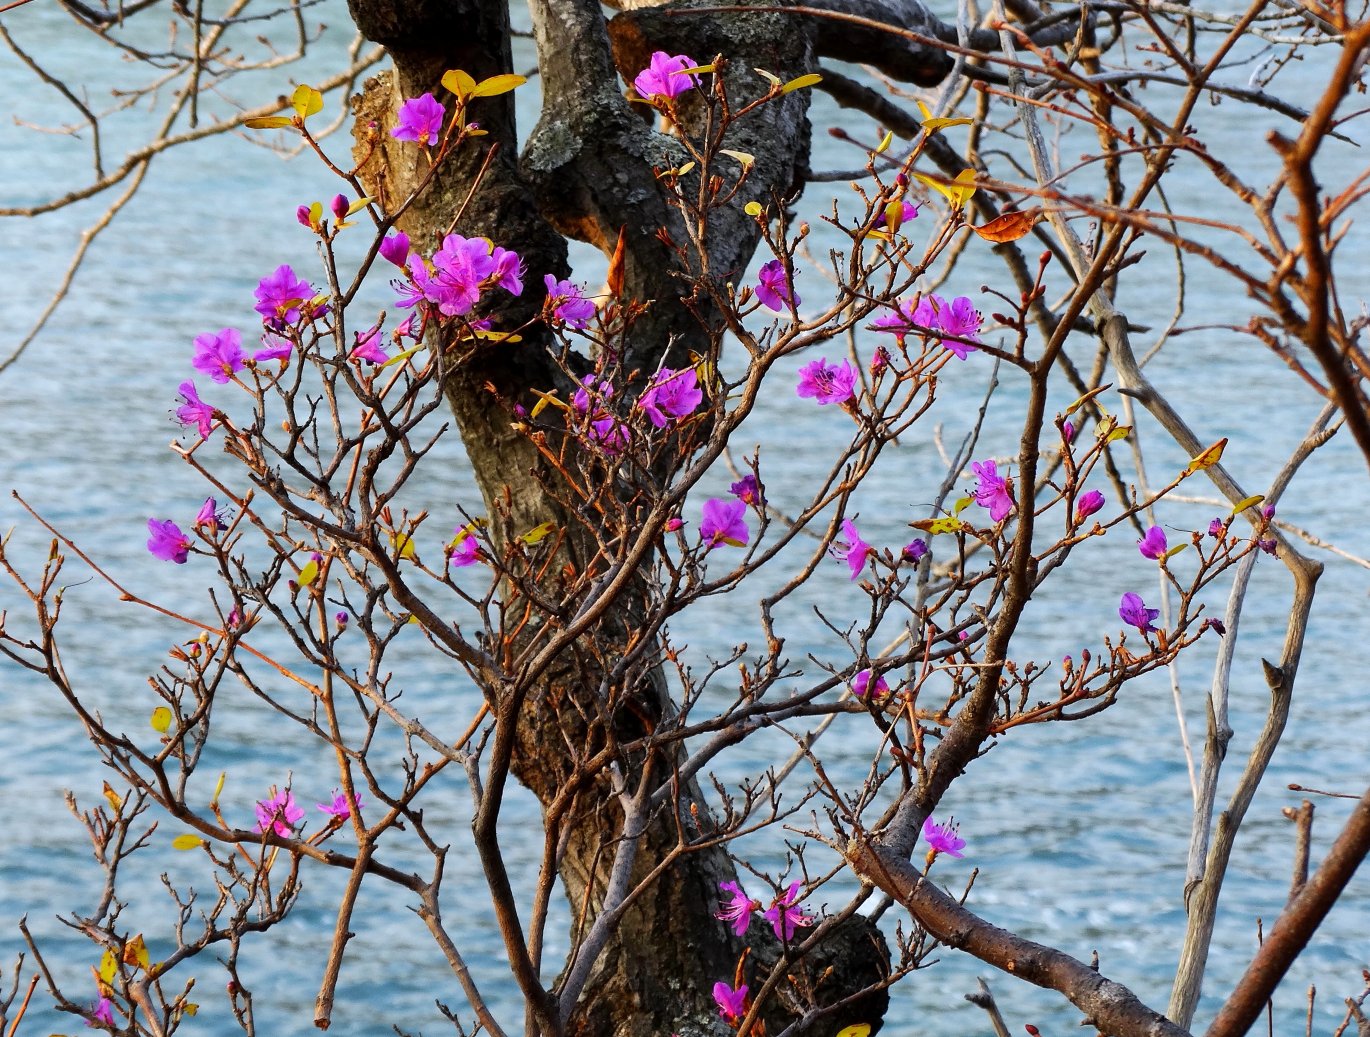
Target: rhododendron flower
x=992, y=491
x=208, y=516
x=1152, y=544
x=958, y=317
x=420, y=120
x=1087, y=504
x=961, y=319
x=723, y=523
x=395, y=248
x=304, y=216
x=369, y=347
x=915, y=550
x=898, y=321
x=508, y=272
x=671, y=394
x=567, y=304
x=1133, y=612
x=785, y=916
x=663, y=76
x=280, y=296
x=673, y=523
x=748, y=491
x=194, y=411
x=773, y=287
x=737, y=909
x=465, y=549
x=278, y=813
x=219, y=355
x=167, y=542
x=827, y=383
x=100, y=1012
x=732, y=1004
x=338, y=807
x=342, y=619
x=851, y=549
x=460, y=268
x=339, y=205
x=861, y=686
x=273, y=349
x=1217, y=528
x=943, y=838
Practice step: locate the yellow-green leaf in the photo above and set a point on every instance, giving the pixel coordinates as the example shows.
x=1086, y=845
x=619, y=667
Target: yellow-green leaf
x=747, y=160
x=1174, y=551
x=497, y=85
x=269, y=122
x=962, y=503
x=187, y=842
x=219, y=786
x=1248, y=502
x=957, y=191
x=752, y=209
x=493, y=336
x=855, y=1030
x=459, y=83
x=537, y=533
x=399, y=358
x=546, y=399
x=932, y=124
x=800, y=83
x=946, y=524
x=308, y=574
x=1121, y=432
x=403, y=544
x=1085, y=399
x=359, y=205
x=109, y=966
x=306, y=101
x=161, y=719
x=1207, y=459
x=885, y=142
x=692, y=71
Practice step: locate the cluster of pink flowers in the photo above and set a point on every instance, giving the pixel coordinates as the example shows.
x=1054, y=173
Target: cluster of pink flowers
x=280, y=814
x=955, y=324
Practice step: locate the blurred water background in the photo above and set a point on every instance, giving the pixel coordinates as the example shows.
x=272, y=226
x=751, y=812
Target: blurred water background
x=1079, y=832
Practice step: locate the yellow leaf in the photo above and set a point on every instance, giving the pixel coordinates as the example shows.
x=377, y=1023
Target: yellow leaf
x=269, y=122
x=545, y=399
x=894, y=214
x=190, y=1008
x=403, y=544
x=957, y=191
x=962, y=503
x=800, y=83
x=946, y=524
x=494, y=336
x=1173, y=551
x=219, y=787
x=692, y=71
x=135, y=953
x=1085, y=399
x=399, y=358
x=1008, y=227
x=1207, y=459
x=537, y=533
x=161, y=719
x=932, y=125
x=109, y=966
x=308, y=574
x=306, y=101
x=752, y=208
x=359, y=205
x=885, y=142
x=856, y=1030
x=115, y=800
x=1111, y=431
x=747, y=160
x=770, y=77
x=459, y=83
x=497, y=85
x=1248, y=502
x=187, y=842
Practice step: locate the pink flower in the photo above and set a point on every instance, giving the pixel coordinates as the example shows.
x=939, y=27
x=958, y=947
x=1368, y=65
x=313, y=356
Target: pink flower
x=465, y=549
x=1133, y=611
x=167, y=542
x=420, y=120
x=862, y=685
x=218, y=354
x=960, y=319
x=369, y=347
x=100, y=1012
x=908, y=211
x=785, y=916
x=395, y=248
x=208, y=516
x=194, y=411
x=671, y=394
x=1152, y=544
x=915, y=550
x=1087, y=504
x=992, y=491
x=567, y=304
x=748, y=491
x=732, y=1004
x=827, y=383
x=852, y=550
x=281, y=296
x=508, y=272
x=737, y=909
x=278, y=813
x=273, y=349
x=773, y=287
x=723, y=523
x=338, y=808
x=663, y=76
x=943, y=838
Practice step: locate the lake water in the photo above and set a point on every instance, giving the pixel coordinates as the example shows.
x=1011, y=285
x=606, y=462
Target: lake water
x=1079, y=831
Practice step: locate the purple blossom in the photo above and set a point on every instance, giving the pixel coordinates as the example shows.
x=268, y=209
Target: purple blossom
x=1217, y=625
x=785, y=915
x=194, y=411
x=898, y=321
x=908, y=212
x=278, y=813
x=723, y=523
x=340, y=205
x=167, y=542
x=1217, y=528
x=915, y=550
x=273, y=349
x=460, y=268
x=1269, y=545
x=1152, y=544
x=304, y=216
x=208, y=516
x=100, y=1012
x=737, y=909
x=957, y=318
x=1268, y=512
x=827, y=383
x=862, y=685
x=1087, y=504
x=943, y=838
x=465, y=549
x=416, y=289
x=1068, y=431
x=773, y=287
x=218, y=354
x=732, y=1004
x=280, y=296
x=662, y=77
x=338, y=808
x=567, y=303
x=420, y=120
x=671, y=394
x=341, y=618
x=1133, y=612
x=748, y=491
x=992, y=491
x=962, y=320
x=395, y=248
x=673, y=523
x=369, y=347
x=851, y=549
x=508, y=272
x=610, y=434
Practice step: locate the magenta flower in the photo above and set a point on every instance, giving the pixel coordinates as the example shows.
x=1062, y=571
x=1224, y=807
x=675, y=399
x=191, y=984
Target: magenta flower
x=395, y=248
x=460, y=268
x=567, y=304
x=1087, y=504
x=100, y=1012
x=465, y=549
x=273, y=349
x=943, y=838
x=933, y=313
x=959, y=318
x=208, y=516
x=278, y=813
x=862, y=685
x=219, y=355
x=304, y=216
x=785, y=916
x=723, y=523
x=664, y=78
x=1133, y=612
x=671, y=394
x=898, y=321
x=420, y=120
x=732, y=1004
x=369, y=347
x=773, y=287
x=992, y=491
x=508, y=272
x=827, y=383
x=748, y=491
x=737, y=909
x=910, y=212
x=167, y=542
x=1152, y=544
x=673, y=523
x=915, y=550
x=194, y=411
x=338, y=808
x=852, y=549
x=1217, y=528
x=280, y=296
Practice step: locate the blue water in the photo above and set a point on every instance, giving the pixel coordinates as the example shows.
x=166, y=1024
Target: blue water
x=1079, y=832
